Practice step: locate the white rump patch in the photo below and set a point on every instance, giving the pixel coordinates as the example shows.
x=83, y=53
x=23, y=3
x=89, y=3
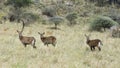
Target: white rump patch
x=33, y=42
x=99, y=44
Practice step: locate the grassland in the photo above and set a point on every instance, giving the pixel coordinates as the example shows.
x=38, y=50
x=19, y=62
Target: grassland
x=71, y=50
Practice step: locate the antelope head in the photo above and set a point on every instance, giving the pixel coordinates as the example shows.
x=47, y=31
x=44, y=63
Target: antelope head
x=41, y=34
x=87, y=37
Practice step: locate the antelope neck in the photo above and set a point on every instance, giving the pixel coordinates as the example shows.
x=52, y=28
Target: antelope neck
x=41, y=36
x=88, y=41
x=20, y=36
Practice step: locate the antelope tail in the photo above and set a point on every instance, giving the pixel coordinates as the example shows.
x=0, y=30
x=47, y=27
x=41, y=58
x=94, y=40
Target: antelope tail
x=34, y=43
x=101, y=43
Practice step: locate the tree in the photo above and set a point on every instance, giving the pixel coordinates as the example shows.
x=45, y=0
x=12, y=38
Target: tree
x=101, y=22
x=16, y=12
x=56, y=20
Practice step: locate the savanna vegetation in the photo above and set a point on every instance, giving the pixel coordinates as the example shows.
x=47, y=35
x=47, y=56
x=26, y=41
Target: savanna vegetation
x=61, y=33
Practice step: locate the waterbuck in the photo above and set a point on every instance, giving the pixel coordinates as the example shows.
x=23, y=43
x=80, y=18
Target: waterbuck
x=93, y=43
x=47, y=40
x=26, y=40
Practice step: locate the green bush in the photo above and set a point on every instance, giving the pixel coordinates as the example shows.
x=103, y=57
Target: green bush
x=19, y=3
x=101, y=22
x=71, y=18
x=49, y=11
x=115, y=17
x=32, y=16
x=104, y=2
x=56, y=20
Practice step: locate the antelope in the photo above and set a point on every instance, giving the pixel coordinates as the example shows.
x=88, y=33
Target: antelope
x=26, y=40
x=93, y=43
x=47, y=40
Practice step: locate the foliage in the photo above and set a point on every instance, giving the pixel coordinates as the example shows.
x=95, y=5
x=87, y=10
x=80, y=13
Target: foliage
x=104, y=2
x=100, y=22
x=19, y=3
x=71, y=18
x=115, y=17
x=30, y=16
x=1, y=15
x=56, y=20
x=49, y=11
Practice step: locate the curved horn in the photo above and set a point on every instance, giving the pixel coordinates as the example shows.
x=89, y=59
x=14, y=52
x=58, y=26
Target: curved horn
x=22, y=26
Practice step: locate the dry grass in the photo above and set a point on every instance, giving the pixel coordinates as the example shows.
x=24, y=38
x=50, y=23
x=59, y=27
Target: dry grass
x=71, y=50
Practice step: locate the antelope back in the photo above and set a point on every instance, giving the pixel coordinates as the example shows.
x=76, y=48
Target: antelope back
x=94, y=42
x=27, y=40
x=49, y=39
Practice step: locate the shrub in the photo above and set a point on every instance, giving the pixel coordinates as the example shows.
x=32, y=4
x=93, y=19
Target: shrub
x=71, y=18
x=115, y=17
x=104, y=2
x=29, y=17
x=19, y=3
x=56, y=20
x=16, y=12
x=101, y=22
x=1, y=15
x=49, y=11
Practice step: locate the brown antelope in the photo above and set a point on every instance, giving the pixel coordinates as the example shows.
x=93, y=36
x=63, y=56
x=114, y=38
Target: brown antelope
x=93, y=43
x=26, y=40
x=47, y=40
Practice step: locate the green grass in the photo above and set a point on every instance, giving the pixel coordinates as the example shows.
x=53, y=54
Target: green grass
x=71, y=50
